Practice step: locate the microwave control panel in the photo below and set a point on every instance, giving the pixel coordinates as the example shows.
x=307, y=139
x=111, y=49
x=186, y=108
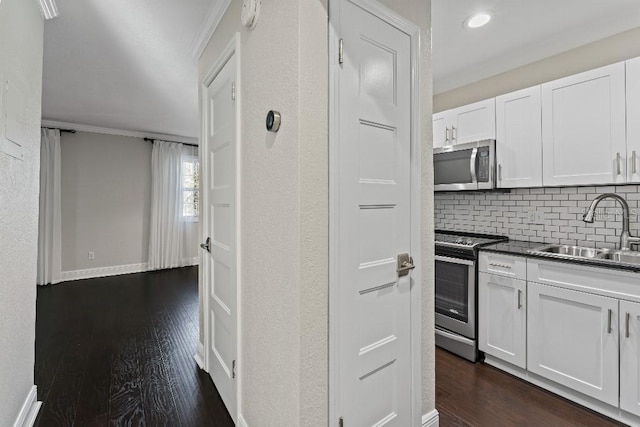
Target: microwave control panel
x=483, y=169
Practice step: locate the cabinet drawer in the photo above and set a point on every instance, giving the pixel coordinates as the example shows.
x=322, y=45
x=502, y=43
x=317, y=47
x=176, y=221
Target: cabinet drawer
x=503, y=265
x=597, y=280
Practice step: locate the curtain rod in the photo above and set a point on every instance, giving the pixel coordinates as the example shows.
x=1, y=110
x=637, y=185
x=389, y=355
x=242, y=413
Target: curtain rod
x=183, y=143
x=62, y=130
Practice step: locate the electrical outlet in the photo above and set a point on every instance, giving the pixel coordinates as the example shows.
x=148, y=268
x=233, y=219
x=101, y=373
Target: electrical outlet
x=92, y=255
x=535, y=217
x=539, y=217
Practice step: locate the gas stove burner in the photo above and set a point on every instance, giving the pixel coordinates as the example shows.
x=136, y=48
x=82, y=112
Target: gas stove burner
x=467, y=242
x=463, y=241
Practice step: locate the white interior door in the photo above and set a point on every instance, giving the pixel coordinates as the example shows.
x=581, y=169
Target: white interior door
x=373, y=212
x=220, y=216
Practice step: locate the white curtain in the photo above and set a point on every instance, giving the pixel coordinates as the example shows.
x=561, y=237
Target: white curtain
x=49, y=222
x=165, y=239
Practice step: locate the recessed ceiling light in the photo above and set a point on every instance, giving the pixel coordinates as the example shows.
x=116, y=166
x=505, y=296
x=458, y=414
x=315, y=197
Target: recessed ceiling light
x=477, y=20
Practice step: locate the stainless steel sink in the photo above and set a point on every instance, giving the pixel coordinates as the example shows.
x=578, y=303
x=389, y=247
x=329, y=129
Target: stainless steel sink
x=566, y=251
x=579, y=252
x=627, y=257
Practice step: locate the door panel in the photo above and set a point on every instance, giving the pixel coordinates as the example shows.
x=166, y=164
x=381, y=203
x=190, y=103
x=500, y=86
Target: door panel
x=573, y=340
x=474, y=122
x=374, y=221
x=441, y=130
x=519, y=139
x=633, y=119
x=583, y=128
x=630, y=357
x=502, y=318
x=220, y=222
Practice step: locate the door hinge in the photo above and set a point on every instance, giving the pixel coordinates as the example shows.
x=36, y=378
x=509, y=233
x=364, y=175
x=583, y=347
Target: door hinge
x=341, y=422
x=233, y=369
x=233, y=91
x=340, y=52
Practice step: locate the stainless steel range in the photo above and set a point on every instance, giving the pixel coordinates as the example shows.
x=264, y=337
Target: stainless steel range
x=456, y=290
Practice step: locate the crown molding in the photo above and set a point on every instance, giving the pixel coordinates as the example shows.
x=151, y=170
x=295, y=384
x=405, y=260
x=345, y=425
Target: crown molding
x=119, y=132
x=209, y=25
x=49, y=8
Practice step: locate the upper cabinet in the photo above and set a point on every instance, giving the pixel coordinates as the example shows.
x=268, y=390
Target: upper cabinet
x=583, y=128
x=519, y=139
x=633, y=120
x=473, y=122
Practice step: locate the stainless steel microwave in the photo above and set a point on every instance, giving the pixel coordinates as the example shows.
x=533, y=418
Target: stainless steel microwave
x=468, y=166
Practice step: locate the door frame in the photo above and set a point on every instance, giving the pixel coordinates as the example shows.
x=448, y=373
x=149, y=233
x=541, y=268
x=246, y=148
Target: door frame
x=232, y=48
x=413, y=31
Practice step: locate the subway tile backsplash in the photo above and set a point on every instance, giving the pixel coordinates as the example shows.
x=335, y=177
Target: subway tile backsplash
x=545, y=215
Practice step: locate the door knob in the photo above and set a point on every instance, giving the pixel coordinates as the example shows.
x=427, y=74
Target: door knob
x=207, y=245
x=405, y=265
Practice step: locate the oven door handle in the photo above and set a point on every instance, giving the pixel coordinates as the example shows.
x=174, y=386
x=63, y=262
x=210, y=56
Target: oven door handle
x=454, y=260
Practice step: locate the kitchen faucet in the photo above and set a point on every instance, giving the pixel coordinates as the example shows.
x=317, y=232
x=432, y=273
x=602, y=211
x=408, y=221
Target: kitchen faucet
x=625, y=237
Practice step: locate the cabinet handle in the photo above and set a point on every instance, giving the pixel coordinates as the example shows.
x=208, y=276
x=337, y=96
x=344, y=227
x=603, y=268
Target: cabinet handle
x=446, y=135
x=618, y=163
x=609, y=321
x=626, y=322
x=519, y=299
x=633, y=162
x=499, y=265
x=453, y=133
x=499, y=172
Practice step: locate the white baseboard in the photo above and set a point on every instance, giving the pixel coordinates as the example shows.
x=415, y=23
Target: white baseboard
x=30, y=409
x=242, y=422
x=191, y=261
x=432, y=419
x=115, y=270
x=200, y=356
x=91, y=273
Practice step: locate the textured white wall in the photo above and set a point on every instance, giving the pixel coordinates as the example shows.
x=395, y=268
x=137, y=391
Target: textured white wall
x=106, y=198
x=284, y=336
x=106, y=201
x=593, y=55
x=21, y=41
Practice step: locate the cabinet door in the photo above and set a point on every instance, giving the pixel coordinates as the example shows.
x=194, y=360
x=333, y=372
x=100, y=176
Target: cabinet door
x=573, y=340
x=441, y=130
x=502, y=318
x=633, y=120
x=474, y=122
x=583, y=128
x=519, y=138
x=630, y=357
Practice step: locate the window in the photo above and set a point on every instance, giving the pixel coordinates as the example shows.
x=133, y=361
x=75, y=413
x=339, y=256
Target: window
x=190, y=188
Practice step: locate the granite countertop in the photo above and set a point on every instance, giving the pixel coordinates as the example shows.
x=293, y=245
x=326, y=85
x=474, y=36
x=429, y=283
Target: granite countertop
x=522, y=248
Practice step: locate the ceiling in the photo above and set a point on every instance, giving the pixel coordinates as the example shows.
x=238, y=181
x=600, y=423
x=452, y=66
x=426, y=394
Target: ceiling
x=124, y=64
x=521, y=32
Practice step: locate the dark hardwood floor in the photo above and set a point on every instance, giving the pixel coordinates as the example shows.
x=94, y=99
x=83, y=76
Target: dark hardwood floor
x=477, y=395
x=119, y=351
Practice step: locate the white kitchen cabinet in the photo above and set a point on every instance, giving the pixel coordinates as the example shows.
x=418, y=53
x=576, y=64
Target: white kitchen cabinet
x=583, y=128
x=572, y=339
x=630, y=357
x=441, y=130
x=519, y=138
x=633, y=120
x=502, y=318
x=469, y=123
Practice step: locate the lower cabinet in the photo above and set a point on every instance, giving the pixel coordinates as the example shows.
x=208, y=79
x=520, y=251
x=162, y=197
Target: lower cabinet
x=502, y=318
x=573, y=340
x=630, y=357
